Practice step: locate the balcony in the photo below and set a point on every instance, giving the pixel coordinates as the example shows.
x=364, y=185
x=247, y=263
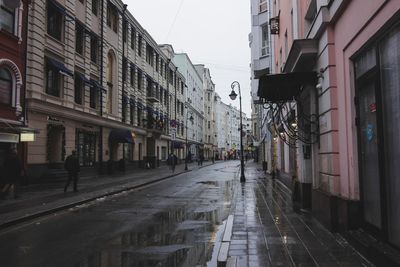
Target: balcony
x=261, y=66
x=152, y=92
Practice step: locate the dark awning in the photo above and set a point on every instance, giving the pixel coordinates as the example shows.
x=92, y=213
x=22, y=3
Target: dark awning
x=284, y=86
x=121, y=136
x=97, y=85
x=177, y=144
x=60, y=66
x=83, y=77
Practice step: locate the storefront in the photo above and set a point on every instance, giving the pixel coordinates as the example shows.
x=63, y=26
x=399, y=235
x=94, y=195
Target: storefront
x=377, y=74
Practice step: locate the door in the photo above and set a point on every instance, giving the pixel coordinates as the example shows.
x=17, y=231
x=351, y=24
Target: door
x=369, y=159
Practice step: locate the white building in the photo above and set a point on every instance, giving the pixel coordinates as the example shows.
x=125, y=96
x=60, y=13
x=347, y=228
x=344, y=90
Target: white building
x=261, y=60
x=194, y=101
x=209, y=131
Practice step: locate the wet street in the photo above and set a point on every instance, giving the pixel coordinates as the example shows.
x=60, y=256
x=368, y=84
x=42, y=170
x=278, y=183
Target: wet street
x=182, y=221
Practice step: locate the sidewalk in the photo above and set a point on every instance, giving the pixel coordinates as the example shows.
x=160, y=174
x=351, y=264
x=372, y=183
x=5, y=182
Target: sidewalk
x=263, y=230
x=43, y=199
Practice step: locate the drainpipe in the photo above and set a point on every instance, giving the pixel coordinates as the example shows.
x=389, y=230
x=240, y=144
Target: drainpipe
x=101, y=171
x=123, y=73
x=25, y=114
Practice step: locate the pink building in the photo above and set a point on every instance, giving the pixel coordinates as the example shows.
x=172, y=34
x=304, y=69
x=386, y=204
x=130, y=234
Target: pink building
x=338, y=62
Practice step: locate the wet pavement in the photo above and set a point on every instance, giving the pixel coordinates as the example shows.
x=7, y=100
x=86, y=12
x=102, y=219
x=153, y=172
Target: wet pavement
x=182, y=221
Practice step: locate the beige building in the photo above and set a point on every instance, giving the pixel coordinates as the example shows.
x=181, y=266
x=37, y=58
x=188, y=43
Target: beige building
x=98, y=83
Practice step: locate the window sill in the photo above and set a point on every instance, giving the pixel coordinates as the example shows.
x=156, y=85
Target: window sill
x=9, y=34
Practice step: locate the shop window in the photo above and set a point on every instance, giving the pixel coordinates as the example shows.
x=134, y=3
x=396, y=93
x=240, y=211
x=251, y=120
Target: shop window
x=7, y=20
x=79, y=38
x=112, y=17
x=53, y=79
x=54, y=21
x=86, y=147
x=6, y=85
x=163, y=153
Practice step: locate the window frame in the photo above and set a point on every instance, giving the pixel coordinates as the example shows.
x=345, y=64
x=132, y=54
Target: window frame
x=57, y=79
x=79, y=38
x=58, y=18
x=78, y=80
x=9, y=11
x=12, y=84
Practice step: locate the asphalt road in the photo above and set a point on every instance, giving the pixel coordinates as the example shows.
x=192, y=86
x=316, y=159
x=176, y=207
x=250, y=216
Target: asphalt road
x=171, y=223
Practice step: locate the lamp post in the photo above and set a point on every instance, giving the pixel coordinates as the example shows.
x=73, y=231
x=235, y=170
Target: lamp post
x=191, y=119
x=233, y=96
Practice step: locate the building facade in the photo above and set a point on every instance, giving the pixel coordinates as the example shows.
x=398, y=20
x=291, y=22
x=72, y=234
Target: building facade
x=194, y=101
x=97, y=83
x=13, y=38
x=344, y=116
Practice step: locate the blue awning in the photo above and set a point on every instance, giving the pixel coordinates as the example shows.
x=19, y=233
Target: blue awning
x=97, y=85
x=177, y=144
x=121, y=136
x=60, y=66
x=83, y=77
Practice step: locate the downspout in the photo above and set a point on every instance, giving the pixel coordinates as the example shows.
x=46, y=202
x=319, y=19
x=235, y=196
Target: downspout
x=123, y=74
x=101, y=89
x=28, y=2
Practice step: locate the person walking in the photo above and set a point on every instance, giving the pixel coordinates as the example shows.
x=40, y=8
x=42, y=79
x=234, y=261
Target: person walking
x=12, y=173
x=72, y=167
x=172, y=160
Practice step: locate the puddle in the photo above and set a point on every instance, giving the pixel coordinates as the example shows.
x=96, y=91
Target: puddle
x=180, y=237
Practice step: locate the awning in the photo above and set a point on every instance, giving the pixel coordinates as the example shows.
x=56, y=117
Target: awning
x=302, y=55
x=121, y=136
x=60, y=66
x=177, y=144
x=97, y=85
x=83, y=77
x=284, y=86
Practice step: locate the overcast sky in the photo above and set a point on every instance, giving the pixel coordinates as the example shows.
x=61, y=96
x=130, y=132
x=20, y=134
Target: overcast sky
x=211, y=32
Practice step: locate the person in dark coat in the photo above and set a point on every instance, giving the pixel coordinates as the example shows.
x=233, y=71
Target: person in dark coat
x=72, y=167
x=12, y=173
x=172, y=161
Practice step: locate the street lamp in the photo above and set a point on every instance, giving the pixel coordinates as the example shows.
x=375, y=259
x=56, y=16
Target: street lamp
x=233, y=96
x=191, y=119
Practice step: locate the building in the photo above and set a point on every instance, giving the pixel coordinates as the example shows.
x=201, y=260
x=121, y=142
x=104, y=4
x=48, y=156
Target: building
x=209, y=128
x=344, y=117
x=14, y=132
x=194, y=102
x=97, y=83
x=261, y=64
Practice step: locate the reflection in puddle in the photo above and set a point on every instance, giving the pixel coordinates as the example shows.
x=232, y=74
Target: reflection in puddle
x=180, y=237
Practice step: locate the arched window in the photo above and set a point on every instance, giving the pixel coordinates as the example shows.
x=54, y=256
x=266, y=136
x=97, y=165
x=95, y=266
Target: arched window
x=6, y=84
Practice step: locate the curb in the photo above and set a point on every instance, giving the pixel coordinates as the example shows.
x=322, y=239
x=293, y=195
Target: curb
x=39, y=214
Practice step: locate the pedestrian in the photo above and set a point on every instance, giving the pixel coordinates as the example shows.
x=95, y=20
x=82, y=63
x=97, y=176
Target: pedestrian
x=12, y=173
x=72, y=167
x=201, y=159
x=172, y=160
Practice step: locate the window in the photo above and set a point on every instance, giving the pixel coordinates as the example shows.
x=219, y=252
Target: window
x=162, y=68
x=139, y=80
x=112, y=17
x=6, y=85
x=182, y=108
x=171, y=76
x=140, y=45
x=133, y=37
x=95, y=4
x=149, y=55
x=163, y=153
x=124, y=68
x=7, y=20
x=53, y=79
x=132, y=76
x=124, y=30
x=161, y=95
x=165, y=97
x=263, y=6
x=208, y=110
x=54, y=21
x=131, y=113
x=94, y=48
x=264, y=41
x=79, y=88
x=94, y=95
x=139, y=116
x=182, y=87
x=286, y=45
x=208, y=96
x=208, y=125
x=79, y=38
x=157, y=59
